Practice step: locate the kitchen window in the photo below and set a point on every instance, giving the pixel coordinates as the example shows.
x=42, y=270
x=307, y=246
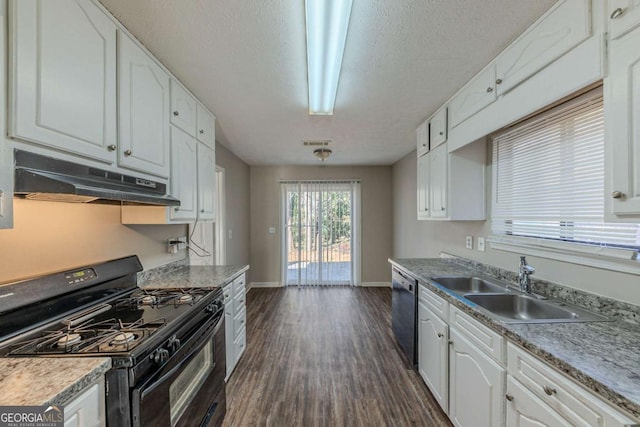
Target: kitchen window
x=548, y=187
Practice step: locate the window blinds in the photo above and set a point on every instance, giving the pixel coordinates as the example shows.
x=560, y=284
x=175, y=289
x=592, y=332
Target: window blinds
x=548, y=178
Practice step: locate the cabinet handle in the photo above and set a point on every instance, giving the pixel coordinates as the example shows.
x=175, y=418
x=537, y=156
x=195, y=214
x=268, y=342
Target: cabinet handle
x=617, y=194
x=176, y=113
x=450, y=342
x=617, y=13
x=442, y=208
x=489, y=89
x=441, y=133
x=508, y=397
x=498, y=81
x=201, y=131
x=440, y=335
x=111, y=147
x=201, y=210
x=549, y=390
x=177, y=208
x=128, y=152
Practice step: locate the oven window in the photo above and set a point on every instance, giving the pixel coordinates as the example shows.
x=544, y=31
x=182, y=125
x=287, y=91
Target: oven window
x=187, y=384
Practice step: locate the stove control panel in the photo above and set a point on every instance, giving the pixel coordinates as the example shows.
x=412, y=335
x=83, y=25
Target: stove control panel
x=79, y=276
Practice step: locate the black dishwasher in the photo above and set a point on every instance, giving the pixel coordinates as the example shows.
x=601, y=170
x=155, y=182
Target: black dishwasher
x=404, y=313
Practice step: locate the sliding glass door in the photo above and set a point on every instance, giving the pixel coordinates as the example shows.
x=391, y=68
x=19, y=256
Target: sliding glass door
x=320, y=223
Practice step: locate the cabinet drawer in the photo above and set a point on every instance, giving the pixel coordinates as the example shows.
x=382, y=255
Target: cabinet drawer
x=240, y=344
x=239, y=284
x=490, y=342
x=239, y=322
x=572, y=401
x=433, y=302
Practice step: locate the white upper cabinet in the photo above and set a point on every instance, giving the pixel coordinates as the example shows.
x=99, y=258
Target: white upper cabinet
x=438, y=128
x=422, y=139
x=206, y=127
x=183, y=109
x=624, y=16
x=184, y=174
x=622, y=115
x=206, y=182
x=63, y=80
x=476, y=95
x=560, y=30
x=144, y=103
x=438, y=160
x=423, y=186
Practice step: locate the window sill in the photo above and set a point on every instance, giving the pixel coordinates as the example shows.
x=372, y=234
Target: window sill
x=622, y=260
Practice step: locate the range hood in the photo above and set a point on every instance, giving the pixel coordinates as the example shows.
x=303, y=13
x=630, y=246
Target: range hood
x=44, y=178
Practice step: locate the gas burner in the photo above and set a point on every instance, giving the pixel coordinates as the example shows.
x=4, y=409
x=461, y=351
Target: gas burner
x=123, y=338
x=148, y=300
x=68, y=340
x=185, y=299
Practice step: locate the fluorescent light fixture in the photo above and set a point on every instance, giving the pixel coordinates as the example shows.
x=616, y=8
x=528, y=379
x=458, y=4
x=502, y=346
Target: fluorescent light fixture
x=327, y=25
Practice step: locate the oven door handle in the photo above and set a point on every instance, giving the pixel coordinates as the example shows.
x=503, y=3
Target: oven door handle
x=157, y=380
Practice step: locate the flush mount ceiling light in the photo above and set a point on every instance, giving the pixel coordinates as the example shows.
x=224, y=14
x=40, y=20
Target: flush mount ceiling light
x=322, y=153
x=327, y=24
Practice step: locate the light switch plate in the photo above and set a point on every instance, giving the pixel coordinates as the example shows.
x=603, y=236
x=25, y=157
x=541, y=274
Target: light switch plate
x=469, y=242
x=272, y=230
x=481, y=244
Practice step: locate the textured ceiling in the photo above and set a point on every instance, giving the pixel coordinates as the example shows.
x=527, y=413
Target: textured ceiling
x=246, y=61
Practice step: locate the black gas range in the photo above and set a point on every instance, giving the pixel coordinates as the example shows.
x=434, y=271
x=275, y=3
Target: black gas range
x=166, y=345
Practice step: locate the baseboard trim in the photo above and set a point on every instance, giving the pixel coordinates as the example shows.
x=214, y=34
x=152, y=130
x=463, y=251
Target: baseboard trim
x=376, y=284
x=264, y=285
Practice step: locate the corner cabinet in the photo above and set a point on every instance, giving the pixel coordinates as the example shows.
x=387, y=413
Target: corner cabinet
x=451, y=186
x=63, y=77
x=622, y=115
x=143, y=113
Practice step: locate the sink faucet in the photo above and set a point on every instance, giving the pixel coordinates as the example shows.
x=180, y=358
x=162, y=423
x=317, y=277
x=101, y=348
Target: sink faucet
x=524, y=272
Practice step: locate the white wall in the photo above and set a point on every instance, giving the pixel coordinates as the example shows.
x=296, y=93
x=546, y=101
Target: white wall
x=420, y=239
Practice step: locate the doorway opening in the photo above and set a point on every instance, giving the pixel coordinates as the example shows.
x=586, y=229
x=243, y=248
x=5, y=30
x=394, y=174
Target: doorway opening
x=321, y=223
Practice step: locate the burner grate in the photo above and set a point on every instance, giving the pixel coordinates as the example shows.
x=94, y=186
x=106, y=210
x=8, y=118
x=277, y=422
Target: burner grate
x=163, y=297
x=106, y=336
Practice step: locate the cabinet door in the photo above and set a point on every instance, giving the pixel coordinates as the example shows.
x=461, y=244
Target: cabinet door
x=143, y=89
x=422, y=139
x=183, y=109
x=476, y=384
x=184, y=175
x=86, y=409
x=476, y=95
x=433, y=358
x=438, y=181
x=423, y=186
x=206, y=183
x=228, y=327
x=524, y=409
x=438, y=128
x=623, y=123
x=560, y=30
x=64, y=77
x=206, y=127
x=624, y=16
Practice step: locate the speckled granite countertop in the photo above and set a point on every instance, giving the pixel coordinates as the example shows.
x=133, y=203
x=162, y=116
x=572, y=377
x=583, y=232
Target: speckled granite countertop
x=47, y=381
x=603, y=356
x=189, y=276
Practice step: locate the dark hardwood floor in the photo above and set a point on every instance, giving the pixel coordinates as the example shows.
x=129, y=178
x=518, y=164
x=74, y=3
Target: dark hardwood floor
x=325, y=357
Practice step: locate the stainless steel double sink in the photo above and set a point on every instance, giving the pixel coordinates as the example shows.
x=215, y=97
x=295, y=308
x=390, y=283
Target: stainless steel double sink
x=509, y=305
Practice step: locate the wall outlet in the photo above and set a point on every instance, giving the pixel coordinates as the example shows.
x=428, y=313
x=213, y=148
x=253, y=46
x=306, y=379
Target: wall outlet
x=272, y=230
x=175, y=244
x=481, y=244
x=469, y=242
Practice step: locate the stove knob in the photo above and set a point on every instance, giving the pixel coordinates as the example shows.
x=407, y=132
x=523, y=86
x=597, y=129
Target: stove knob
x=173, y=344
x=160, y=355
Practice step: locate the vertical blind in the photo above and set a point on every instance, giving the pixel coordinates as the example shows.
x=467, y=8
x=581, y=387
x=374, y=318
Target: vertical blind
x=319, y=222
x=548, y=178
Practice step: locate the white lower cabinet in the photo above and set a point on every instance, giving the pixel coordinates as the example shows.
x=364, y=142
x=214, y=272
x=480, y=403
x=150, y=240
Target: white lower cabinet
x=525, y=410
x=235, y=321
x=476, y=385
x=433, y=336
x=538, y=392
x=87, y=408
